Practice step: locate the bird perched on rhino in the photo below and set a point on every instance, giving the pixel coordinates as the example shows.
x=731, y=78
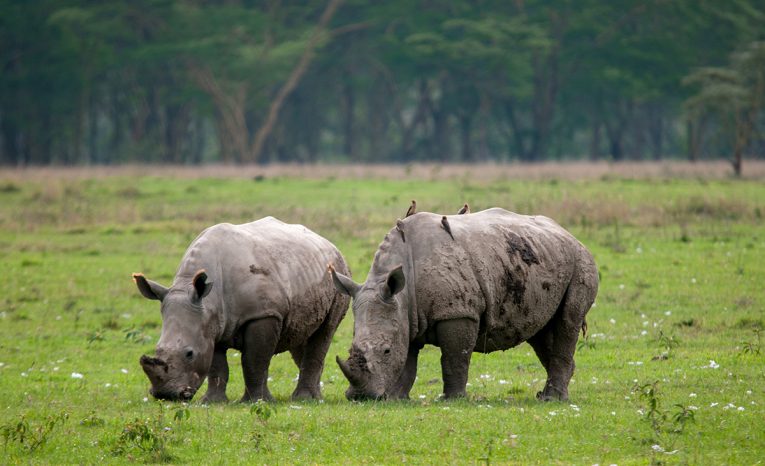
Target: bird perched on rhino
x=400, y=229
x=445, y=224
x=464, y=210
x=412, y=209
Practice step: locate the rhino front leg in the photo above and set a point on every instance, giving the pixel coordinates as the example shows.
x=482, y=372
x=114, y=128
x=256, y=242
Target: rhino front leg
x=259, y=343
x=310, y=360
x=217, y=378
x=404, y=384
x=456, y=338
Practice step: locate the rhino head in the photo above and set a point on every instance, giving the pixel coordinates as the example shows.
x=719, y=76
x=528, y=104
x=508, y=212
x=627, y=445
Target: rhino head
x=380, y=333
x=185, y=348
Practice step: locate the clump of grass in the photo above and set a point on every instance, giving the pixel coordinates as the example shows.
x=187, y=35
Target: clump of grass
x=752, y=346
x=667, y=425
x=30, y=436
x=145, y=437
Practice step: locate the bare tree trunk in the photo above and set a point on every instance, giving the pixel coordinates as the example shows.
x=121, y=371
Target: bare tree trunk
x=292, y=81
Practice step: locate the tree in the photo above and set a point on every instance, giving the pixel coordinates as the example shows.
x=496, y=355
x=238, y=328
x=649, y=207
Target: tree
x=735, y=95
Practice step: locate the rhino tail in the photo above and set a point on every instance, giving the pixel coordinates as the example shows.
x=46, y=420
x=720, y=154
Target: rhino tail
x=584, y=328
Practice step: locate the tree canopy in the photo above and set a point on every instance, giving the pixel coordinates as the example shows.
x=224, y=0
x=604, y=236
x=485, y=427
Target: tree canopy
x=239, y=81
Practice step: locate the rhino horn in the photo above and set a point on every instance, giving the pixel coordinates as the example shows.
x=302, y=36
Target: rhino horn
x=352, y=377
x=153, y=367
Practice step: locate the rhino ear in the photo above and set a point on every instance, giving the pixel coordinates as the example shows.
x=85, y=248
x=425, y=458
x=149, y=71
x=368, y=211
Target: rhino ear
x=395, y=282
x=201, y=286
x=148, y=288
x=343, y=284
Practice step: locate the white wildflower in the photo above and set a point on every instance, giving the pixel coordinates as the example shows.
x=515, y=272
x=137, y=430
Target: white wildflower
x=613, y=321
x=693, y=280
x=124, y=371
x=503, y=382
x=644, y=333
x=713, y=365
x=692, y=395
x=107, y=385
x=621, y=286
x=295, y=407
x=77, y=375
x=657, y=448
x=639, y=250
x=740, y=408
x=145, y=399
x=712, y=405
x=24, y=374
x=668, y=313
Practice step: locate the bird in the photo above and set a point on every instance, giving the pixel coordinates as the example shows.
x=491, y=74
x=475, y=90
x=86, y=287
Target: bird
x=445, y=224
x=464, y=210
x=412, y=209
x=400, y=228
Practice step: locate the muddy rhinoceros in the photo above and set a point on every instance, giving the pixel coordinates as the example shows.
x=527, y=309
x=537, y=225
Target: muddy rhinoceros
x=468, y=283
x=260, y=288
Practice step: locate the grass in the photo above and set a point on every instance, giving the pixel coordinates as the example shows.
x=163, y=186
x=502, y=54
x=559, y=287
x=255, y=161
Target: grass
x=672, y=371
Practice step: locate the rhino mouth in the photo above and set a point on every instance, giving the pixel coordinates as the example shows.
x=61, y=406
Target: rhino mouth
x=185, y=394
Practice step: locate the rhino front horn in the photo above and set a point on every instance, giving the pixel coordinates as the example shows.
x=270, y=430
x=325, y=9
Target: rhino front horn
x=352, y=378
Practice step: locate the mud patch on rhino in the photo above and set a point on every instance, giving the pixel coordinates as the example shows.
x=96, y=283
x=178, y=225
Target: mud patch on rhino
x=258, y=270
x=516, y=284
x=518, y=244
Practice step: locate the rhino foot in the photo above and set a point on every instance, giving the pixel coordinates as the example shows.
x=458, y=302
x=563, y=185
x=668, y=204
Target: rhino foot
x=551, y=395
x=211, y=398
x=306, y=394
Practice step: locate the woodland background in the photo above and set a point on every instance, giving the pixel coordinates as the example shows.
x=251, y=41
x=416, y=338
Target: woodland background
x=226, y=81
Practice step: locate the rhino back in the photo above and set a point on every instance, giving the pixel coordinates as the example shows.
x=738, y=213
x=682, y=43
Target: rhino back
x=508, y=272
x=266, y=268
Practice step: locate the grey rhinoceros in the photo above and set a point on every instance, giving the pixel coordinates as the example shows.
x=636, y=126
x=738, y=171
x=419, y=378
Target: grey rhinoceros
x=260, y=288
x=468, y=283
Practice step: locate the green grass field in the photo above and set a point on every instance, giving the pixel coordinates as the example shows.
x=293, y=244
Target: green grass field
x=672, y=372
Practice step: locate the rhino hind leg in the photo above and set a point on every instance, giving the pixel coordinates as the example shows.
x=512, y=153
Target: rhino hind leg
x=310, y=357
x=260, y=338
x=555, y=344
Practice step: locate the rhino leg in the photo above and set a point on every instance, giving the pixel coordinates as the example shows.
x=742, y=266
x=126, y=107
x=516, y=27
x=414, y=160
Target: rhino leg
x=555, y=344
x=404, y=384
x=456, y=338
x=259, y=343
x=217, y=378
x=311, y=358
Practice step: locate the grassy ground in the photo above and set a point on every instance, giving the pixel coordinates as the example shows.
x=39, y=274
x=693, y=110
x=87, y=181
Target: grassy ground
x=673, y=370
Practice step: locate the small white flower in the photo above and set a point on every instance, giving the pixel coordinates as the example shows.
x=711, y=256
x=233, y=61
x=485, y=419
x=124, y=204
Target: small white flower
x=295, y=407
x=321, y=384
x=503, y=382
x=445, y=408
x=55, y=369
x=613, y=413
x=740, y=408
x=748, y=392
x=645, y=323
x=513, y=436
x=126, y=316
x=644, y=333
x=485, y=376
x=574, y=407
x=657, y=448
x=58, y=317
x=613, y=321
x=712, y=405
x=621, y=286
x=145, y=399
x=639, y=250
x=24, y=374
x=693, y=408
x=668, y=313
x=693, y=280
x=713, y=365
x=422, y=397
x=553, y=413
x=270, y=379
x=692, y=395
x=107, y=385
x=124, y=371
x=77, y=375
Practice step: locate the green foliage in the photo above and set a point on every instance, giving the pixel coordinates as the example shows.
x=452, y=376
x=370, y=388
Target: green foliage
x=30, y=436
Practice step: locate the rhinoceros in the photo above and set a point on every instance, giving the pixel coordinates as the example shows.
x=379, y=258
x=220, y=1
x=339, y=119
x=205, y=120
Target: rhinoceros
x=479, y=282
x=260, y=288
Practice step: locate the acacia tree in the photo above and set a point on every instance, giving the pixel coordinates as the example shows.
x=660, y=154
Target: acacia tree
x=735, y=96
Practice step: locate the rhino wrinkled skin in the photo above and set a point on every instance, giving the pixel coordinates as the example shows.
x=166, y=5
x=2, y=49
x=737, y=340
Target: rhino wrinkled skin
x=503, y=279
x=260, y=288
